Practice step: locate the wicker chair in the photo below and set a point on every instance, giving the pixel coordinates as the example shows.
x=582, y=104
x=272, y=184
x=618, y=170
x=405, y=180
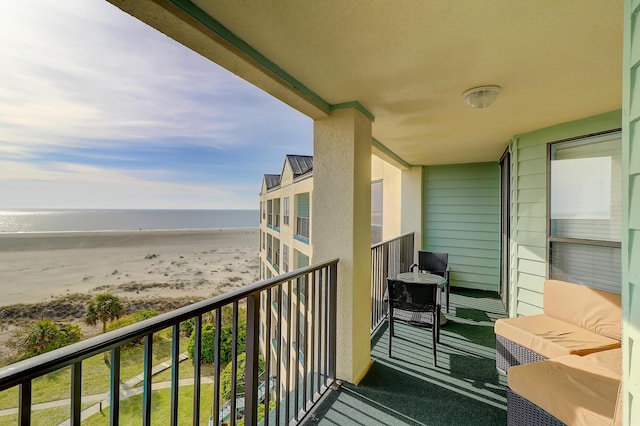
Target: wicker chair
x=435, y=263
x=416, y=305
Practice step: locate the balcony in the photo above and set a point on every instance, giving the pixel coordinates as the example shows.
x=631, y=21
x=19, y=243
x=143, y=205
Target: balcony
x=465, y=388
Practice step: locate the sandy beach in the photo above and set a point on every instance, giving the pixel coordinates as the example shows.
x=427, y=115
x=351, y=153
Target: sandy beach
x=134, y=264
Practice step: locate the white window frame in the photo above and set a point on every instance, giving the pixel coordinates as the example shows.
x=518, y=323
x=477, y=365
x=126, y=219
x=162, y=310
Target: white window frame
x=594, y=244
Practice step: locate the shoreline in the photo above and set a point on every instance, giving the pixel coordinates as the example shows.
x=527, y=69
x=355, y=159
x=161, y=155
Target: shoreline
x=36, y=267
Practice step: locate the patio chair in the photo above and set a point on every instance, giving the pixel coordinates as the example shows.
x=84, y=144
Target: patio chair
x=435, y=263
x=416, y=305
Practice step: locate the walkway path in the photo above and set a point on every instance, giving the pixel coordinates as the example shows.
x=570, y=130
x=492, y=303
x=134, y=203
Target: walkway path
x=127, y=390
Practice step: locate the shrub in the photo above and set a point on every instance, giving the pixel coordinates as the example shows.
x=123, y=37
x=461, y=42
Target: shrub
x=46, y=335
x=225, y=375
x=226, y=340
x=131, y=319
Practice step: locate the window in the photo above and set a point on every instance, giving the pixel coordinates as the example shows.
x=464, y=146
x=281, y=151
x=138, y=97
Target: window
x=285, y=211
x=376, y=211
x=285, y=258
x=302, y=219
x=585, y=211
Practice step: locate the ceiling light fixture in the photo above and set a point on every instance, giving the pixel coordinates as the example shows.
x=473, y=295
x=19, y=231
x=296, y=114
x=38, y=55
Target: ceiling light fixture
x=481, y=97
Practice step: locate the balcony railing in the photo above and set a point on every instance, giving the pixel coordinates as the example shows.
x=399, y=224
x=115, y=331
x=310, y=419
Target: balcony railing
x=302, y=227
x=301, y=382
x=388, y=259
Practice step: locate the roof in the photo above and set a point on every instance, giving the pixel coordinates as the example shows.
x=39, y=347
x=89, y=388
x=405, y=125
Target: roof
x=300, y=164
x=272, y=180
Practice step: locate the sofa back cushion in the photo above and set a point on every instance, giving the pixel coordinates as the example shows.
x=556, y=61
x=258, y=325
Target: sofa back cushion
x=589, y=308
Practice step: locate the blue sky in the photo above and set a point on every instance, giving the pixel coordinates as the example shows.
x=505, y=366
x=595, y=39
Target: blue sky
x=98, y=110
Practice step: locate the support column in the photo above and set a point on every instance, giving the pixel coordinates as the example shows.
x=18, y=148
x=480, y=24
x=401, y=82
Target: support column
x=341, y=227
x=412, y=205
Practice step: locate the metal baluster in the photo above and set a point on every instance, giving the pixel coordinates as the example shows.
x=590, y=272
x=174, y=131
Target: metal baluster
x=252, y=362
x=216, y=368
x=288, y=357
x=24, y=411
x=279, y=354
x=76, y=393
x=333, y=277
x=148, y=366
x=197, y=364
x=234, y=364
x=114, y=406
x=267, y=370
x=175, y=369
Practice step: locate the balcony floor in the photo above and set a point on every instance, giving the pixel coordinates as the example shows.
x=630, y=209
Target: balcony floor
x=465, y=388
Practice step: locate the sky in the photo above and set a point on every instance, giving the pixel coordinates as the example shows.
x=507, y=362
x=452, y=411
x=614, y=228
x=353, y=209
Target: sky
x=99, y=110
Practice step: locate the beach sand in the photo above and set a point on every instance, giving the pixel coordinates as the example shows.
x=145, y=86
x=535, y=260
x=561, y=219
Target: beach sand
x=134, y=264
x=167, y=268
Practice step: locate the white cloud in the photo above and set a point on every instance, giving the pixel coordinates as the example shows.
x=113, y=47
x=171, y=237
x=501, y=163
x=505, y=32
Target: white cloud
x=83, y=74
x=63, y=185
x=77, y=71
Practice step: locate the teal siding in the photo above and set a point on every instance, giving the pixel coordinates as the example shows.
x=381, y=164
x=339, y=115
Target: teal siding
x=462, y=218
x=528, y=263
x=631, y=213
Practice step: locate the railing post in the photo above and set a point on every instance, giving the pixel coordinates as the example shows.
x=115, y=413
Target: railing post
x=76, y=393
x=146, y=383
x=114, y=386
x=332, y=297
x=24, y=412
x=252, y=364
x=175, y=375
x=197, y=363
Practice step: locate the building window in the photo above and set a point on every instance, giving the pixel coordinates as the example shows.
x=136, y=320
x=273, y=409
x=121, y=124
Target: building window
x=285, y=258
x=376, y=211
x=302, y=219
x=585, y=211
x=285, y=211
x=264, y=239
x=264, y=210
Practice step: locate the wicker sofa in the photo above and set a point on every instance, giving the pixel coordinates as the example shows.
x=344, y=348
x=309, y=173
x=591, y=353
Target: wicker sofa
x=564, y=366
x=573, y=390
x=577, y=320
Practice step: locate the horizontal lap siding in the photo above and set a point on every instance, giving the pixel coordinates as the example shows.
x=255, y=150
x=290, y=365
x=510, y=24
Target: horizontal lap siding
x=528, y=260
x=462, y=218
x=631, y=217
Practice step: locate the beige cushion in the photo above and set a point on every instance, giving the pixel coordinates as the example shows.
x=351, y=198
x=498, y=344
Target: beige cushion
x=574, y=389
x=595, y=310
x=552, y=337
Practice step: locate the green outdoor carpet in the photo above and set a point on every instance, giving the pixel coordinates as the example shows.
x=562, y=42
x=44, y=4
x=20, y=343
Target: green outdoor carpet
x=465, y=388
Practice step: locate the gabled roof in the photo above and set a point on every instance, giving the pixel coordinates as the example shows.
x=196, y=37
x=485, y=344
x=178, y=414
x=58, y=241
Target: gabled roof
x=300, y=164
x=271, y=181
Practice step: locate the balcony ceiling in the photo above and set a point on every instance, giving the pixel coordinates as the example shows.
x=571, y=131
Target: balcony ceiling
x=408, y=62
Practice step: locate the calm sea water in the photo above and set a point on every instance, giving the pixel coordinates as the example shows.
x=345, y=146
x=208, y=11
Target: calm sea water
x=13, y=221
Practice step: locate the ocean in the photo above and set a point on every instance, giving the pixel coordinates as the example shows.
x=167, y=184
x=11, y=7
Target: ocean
x=73, y=220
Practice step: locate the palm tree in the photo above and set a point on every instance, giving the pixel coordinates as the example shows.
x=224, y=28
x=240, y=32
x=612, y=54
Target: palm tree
x=104, y=308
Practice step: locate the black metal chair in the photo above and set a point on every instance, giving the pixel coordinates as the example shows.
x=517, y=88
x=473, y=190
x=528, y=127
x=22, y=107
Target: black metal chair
x=435, y=263
x=414, y=304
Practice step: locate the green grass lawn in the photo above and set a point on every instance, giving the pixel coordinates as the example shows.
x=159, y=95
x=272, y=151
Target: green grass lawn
x=95, y=373
x=50, y=416
x=131, y=408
